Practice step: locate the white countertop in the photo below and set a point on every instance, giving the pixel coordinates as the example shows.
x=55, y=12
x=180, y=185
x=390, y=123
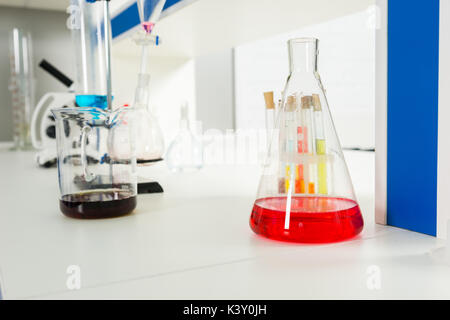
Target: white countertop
x=194, y=242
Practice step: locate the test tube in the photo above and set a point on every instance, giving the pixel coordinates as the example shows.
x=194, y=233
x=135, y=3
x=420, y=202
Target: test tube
x=320, y=146
x=302, y=148
x=308, y=126
x=270, y=113
x=291, y=139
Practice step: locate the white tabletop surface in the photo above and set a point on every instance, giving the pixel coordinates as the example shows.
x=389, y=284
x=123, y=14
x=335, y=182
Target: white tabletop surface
x=194, y=242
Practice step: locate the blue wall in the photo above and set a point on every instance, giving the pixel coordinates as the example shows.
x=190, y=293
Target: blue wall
x=412, y=118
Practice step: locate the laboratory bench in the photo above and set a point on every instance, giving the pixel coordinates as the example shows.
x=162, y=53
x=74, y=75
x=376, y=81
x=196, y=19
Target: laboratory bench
x=194, y=242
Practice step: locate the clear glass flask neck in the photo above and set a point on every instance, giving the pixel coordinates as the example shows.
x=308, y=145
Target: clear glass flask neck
x=184, y=117
x=303, y=55
x=184, y=125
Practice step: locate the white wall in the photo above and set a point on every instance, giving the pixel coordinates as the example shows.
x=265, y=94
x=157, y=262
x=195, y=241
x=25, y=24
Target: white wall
x=205, y=82
x=346, y=65
x=215, y=89
x=172, y=82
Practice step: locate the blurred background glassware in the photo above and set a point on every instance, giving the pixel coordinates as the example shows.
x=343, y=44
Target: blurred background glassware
x=96, y=162
x=22, y=87
x=150, y=141
x=185, y=153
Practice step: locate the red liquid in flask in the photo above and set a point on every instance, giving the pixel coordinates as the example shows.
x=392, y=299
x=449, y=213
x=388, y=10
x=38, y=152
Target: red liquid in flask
x=312, y=219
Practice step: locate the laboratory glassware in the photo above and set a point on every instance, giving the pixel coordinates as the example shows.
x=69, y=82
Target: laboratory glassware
x=95, y=144
x=150, y=141
x=305, y=193
x=89, y=28
x=96, y=161
x=22, y=87
x=149, y=13
x=185, y=153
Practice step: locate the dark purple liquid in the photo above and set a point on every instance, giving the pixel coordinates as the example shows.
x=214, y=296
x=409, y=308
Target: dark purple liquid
x=98, y=204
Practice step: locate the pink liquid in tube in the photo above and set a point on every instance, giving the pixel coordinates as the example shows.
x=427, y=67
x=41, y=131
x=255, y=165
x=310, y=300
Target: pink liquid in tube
x=148, y=26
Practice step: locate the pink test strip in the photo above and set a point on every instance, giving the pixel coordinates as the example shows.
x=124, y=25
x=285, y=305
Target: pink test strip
x=302, y=140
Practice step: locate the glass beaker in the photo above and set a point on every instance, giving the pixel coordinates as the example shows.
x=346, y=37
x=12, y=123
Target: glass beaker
x=96, y=162
x=305, y=193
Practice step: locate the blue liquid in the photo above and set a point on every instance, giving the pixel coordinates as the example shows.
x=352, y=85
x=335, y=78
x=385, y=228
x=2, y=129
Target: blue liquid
x=92, y=100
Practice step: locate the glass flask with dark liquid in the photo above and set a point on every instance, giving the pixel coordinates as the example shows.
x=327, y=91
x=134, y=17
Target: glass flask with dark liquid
x=96, y=162
x=305, y=193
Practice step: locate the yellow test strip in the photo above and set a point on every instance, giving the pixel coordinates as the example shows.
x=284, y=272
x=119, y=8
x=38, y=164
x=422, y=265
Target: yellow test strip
x=321, y=167
x=288, y=176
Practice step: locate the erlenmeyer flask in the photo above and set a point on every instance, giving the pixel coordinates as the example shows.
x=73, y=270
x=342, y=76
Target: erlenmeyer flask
x=305, y=193
x=185, y=153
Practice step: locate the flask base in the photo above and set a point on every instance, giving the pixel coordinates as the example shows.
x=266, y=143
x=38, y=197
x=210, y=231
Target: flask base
x=96, y=204
x=313, y=219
